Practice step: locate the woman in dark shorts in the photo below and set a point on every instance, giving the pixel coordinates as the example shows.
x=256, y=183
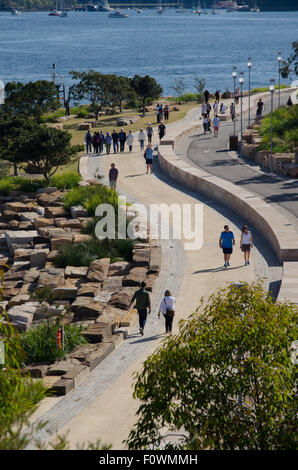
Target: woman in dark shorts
x=246, y=243
x=149, y=158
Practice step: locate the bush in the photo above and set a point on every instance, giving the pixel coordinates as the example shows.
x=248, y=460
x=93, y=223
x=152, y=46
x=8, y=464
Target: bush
x=264, y=89
x=81, y=111
x=40, y=345
x=66, y=180
x=187, y=97
x=82, y=254
x=285, y=133
x=90, y=197
x=4, y=168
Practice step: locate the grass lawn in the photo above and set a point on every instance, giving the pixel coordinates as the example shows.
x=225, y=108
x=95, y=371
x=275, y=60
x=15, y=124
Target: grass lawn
x=109, y=123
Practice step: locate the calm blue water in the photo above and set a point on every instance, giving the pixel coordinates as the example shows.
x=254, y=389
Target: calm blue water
x=165, y=46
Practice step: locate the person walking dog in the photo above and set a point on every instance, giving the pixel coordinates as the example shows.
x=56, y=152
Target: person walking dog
x=143, y=305
x=167, y=307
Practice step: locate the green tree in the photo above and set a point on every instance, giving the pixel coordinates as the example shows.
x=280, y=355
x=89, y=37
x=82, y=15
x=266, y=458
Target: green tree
x=90, y=87
x=200, y=84
x=178, y=86
x=226, y=381
x=146, y=88
x=117, y=90
x=30, y=100
x=291, y=64
x=47, y=149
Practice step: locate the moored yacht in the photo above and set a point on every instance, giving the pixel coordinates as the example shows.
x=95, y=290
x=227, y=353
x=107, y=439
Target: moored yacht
x=117, y=14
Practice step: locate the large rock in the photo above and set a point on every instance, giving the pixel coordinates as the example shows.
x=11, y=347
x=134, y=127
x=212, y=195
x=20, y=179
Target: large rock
x=68, y=223
x=18, y=300
x=43, y=222
x=51, y=277
x=92, y=355
x=29, y=216
x=58, y=243
x=22, y=315
x=55, y=212
x=78, y=211
x=119, y=268
x=65, y=293
x=99, y=331
x=76, y=272
x=16, y=207
x=48, y=190
x=98, y=269
x=141, y=257
x=53, y=199
x=123, y=298
x=31, y=276
x=81, y=238
x=20, y=237
x=38, y=258
x=112, y=284
x=88, y=290
x=62, y=367
x=135, y=277
x=85, y=308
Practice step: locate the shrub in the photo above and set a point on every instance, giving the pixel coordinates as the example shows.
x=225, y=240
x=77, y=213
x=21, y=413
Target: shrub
x=40, y=345
x=90, y=197
x=6, y=186
x=80, y=111
x=4, y=168
x=82, y=254
x=285, y=134
x=187, y=97
x=68, y=180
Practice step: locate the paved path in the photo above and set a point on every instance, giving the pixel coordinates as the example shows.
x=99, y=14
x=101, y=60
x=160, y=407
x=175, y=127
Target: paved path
x=212, y=155
x=102, y=407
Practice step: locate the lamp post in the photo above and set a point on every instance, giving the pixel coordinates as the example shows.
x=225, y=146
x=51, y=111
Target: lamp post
x=272, y=89
x=241, y=80
x=279, y=62
x=234, y=75
x=249, y=65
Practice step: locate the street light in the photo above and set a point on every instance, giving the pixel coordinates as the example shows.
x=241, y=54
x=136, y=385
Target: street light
x=241, y=80
x=272, y=89
x=279, y=62
x=234, y=75
x=249, y=65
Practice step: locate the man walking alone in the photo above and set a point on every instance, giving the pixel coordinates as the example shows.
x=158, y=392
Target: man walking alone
x=143, y=305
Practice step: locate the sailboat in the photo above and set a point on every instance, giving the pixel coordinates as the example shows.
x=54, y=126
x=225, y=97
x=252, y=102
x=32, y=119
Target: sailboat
x=213, y=9
x=104, y=6
x=255, y=9
x=198, y=10
x=16, y=12
x=205, y=12
x=160, y=8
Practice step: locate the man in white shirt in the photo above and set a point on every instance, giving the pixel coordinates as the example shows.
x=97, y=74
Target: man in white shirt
x=216, y=122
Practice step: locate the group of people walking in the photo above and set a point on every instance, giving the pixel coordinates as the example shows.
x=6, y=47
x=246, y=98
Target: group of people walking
x=162, y=112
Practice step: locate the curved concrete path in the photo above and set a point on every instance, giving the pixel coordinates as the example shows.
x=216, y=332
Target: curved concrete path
x=102, y=407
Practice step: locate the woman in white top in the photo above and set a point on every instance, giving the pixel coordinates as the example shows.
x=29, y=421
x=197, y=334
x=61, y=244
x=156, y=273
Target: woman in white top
x=167, y=307
x=246, y=243
x=129, y=140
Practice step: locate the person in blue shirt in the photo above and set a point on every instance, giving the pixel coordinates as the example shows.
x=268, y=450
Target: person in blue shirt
x=226, y=242
x=148, y=154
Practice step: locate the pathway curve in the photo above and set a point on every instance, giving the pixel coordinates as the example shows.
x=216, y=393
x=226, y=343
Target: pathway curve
x=102, y=407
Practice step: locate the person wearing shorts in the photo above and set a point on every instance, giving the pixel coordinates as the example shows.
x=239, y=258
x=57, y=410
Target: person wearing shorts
x=216, y=122
x=246, y=243
x=226, y=242
x=149, y=158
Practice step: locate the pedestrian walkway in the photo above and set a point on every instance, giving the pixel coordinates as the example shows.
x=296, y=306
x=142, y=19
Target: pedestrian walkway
x=213, y=155
x=103, y=407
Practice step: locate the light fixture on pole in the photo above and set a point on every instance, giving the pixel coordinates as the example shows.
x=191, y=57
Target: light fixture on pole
x=234, y=75
x=279, y=62
x=241, y=80
x=249, y=65
x=272, y=89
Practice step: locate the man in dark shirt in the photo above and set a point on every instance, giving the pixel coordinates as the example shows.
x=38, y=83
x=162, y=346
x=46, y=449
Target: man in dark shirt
x=122, y=139
x=113, y=175
x=115, y=138
x=143, y=305
x=161, y=130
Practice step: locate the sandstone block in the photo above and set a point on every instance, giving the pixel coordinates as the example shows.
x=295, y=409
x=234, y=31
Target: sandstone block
x=78, y=211
x=98, y=269
x=135, y=277
x=79, y=272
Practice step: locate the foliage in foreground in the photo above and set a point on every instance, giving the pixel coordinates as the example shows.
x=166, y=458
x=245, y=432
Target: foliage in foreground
x=67, y=180
x=90, y=197
x=235, y=349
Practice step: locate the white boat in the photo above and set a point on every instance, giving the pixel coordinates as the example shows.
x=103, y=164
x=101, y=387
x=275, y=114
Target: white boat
x=117, y=14
x=16, y=12
x=160, y=9
x=55, y=13
x=255, y=9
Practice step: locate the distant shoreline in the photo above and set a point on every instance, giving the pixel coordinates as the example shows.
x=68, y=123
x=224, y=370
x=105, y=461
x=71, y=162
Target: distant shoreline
x=123, y=6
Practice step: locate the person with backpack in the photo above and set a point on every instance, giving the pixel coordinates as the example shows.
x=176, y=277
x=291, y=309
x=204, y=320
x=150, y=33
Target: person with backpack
x=143, y=305
x=115, y=138
x=122, y=139
x=88, y=141
x=167, y=308
x=148, y=155
x=150, y=132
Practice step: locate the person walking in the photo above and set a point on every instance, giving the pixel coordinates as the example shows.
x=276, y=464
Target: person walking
x=232, y=111
x=88, y=141
x=113, y=175
x=167, y=308
x=203, y=109
x=94, y=143
x=157, y=113
x=223, y=108
x=160, y=113
x=108, y=141
x=161, y=130
x=226, y=243
x=217, y=96
x=143, y=305
x=129, y=140
x=246, y=243
x=208, y=106
x=290, y=102
x=215, y=107
x=206, y=96
x=216, y=122
x=260, y=106
x=148, y=154
x=205, y=123
x=142, y=138
x=115, y=138
x=122, y=139
x=102, y=141
x=166, y=112
x=150, y=132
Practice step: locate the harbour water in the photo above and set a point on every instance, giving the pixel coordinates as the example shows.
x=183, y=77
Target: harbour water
x=166, y=46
